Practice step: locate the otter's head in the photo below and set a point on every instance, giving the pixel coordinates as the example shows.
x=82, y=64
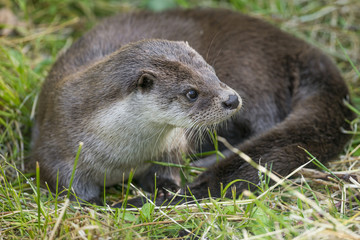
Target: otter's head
x=153, y=82
x=175, y=86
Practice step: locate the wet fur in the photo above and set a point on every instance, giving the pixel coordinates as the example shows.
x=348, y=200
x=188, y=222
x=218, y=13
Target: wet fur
x=292, y=93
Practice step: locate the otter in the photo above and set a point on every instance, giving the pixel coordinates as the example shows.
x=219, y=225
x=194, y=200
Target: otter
x=132, y=90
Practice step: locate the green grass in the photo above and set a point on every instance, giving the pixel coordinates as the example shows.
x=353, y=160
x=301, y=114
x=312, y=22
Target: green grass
x=312, y=206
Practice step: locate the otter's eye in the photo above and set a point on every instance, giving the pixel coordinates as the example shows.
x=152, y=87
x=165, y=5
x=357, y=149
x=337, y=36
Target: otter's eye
x=192, y=95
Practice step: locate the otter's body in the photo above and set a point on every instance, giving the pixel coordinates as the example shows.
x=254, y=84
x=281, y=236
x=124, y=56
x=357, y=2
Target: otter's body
x=292, y=96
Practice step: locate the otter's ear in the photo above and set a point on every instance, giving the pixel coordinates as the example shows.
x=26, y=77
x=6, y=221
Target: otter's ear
x=146, y=80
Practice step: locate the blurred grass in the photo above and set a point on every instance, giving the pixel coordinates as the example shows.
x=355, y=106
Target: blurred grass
x=45, y=28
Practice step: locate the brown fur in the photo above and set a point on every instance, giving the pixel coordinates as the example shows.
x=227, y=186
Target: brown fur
x=293, y=94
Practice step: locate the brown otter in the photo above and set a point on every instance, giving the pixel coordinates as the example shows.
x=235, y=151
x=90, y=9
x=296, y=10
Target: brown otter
x=131, y=101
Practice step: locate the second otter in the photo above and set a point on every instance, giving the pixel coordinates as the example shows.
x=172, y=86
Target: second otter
x=130, y=100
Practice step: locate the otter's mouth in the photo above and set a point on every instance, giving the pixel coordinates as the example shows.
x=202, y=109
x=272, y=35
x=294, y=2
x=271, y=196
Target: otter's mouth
x=217, y=116
x=215, y=121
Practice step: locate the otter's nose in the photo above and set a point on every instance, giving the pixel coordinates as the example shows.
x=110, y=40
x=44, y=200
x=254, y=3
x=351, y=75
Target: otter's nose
x=231, y=103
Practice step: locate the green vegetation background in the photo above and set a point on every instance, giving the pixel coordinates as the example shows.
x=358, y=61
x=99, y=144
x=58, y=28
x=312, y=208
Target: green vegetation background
x=32, y=35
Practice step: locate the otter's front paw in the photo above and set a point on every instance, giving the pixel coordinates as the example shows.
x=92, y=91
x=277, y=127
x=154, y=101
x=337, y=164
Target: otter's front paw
x=165, y=188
